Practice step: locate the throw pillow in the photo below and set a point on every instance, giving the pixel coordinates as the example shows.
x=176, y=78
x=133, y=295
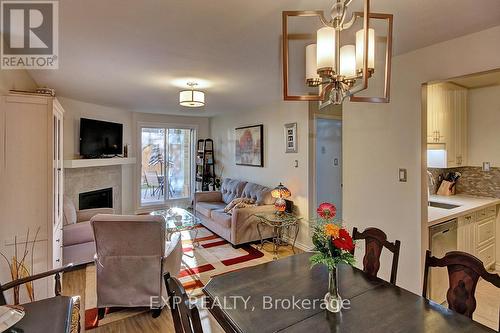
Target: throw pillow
x=231, y=205
x=245, y=202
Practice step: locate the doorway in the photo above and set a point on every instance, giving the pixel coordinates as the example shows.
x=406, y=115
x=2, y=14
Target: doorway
x=328, y=162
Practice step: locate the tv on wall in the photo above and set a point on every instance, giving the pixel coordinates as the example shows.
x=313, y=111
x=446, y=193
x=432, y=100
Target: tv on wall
x=100, y=138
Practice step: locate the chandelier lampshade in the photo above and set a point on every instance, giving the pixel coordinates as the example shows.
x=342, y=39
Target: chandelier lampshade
x=348, y=61
x=359, y=49
x=341, y=60
x=192, y=98
x=325, y=52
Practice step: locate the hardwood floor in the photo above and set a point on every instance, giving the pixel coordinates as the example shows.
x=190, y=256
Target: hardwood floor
x=488, y=304
x=74, y=283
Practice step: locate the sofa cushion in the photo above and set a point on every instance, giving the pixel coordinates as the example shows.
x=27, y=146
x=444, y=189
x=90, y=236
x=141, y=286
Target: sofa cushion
x=221, y=218
x=77, y=233
x=206, y=208
x=259, y=193
x=231, y=188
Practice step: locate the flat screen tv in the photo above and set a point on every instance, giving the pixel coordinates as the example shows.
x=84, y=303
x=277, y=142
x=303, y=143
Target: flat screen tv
x=100, y=138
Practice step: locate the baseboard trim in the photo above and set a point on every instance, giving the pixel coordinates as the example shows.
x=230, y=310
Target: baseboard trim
x=299, y=245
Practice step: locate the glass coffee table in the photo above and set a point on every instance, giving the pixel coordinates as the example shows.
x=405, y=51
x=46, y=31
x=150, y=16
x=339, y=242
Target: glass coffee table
x=177, y=220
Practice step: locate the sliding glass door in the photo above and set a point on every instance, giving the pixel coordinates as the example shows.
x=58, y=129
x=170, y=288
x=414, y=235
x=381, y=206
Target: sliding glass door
x=166, y=164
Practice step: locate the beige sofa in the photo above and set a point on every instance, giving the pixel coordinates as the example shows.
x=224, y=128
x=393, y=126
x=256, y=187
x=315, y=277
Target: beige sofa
x=241, y=226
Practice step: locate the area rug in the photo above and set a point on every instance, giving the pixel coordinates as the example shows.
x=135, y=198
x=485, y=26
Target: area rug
x=214, y=256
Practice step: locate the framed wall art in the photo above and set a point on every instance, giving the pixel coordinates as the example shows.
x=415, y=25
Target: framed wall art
x=291, y=138
x=249, y=148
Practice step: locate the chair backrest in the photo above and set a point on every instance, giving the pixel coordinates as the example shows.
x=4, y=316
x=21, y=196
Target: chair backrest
x=464, y=271
x=152, y=178
x=184, y=314
x=375, y=241
x=129, y=257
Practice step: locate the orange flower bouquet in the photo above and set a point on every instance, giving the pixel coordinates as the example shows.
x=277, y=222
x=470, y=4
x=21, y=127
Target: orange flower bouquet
x=333, y=245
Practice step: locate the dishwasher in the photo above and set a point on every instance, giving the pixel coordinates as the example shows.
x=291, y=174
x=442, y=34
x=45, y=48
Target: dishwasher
x=443, y=239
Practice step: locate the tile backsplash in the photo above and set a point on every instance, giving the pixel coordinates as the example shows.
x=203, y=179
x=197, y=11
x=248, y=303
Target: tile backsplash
x=474, y=181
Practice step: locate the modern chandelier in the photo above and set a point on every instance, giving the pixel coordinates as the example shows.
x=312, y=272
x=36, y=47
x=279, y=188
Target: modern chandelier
x=192, y=98
x=341, y=61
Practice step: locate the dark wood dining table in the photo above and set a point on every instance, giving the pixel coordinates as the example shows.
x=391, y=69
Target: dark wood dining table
x=278, y=297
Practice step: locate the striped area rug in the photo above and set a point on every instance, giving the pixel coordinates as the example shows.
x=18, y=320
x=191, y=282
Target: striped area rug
x=214, y=256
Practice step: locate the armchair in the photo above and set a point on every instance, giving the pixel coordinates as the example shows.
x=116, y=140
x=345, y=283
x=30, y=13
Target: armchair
x=78, y=239
x=64, y=311
x=132, y=255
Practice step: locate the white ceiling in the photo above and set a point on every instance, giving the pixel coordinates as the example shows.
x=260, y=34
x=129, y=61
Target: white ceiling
x=128, y=54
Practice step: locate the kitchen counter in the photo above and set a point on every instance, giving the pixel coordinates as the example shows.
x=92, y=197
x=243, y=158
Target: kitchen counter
x=467, y=204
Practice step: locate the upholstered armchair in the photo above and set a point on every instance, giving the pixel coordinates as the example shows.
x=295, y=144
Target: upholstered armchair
x=132, y=256
x=78, y=238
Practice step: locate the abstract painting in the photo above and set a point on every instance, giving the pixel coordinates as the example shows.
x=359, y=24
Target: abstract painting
x=249, y=148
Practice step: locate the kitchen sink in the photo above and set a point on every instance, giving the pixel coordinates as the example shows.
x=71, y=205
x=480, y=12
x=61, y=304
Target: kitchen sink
x=442, y=205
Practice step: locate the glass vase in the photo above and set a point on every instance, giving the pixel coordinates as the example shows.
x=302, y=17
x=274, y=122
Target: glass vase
x=333, y=301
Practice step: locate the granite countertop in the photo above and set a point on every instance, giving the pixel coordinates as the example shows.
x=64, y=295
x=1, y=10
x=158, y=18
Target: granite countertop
x=467, y=204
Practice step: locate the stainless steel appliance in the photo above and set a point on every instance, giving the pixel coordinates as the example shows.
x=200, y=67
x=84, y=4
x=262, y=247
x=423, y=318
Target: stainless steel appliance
x=443, y=239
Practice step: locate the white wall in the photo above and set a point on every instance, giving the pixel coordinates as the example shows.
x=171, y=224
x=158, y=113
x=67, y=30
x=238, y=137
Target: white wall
x=278, y=166
x=74, y=110
x=483, y=121
x=15, y=79
x=380, y=138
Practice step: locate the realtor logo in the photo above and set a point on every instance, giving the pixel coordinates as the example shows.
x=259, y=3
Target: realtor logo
x=29, y=34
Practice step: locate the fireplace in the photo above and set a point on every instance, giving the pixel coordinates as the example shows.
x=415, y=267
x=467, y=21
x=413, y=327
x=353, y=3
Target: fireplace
x=96, y=199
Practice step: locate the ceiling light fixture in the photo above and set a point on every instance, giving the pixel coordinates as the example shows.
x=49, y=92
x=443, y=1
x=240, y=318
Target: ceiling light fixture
x=339, y=69
x=192, y=98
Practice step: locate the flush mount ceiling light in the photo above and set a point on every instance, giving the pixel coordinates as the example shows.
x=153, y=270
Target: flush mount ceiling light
x=341, y=59
x=192, y=98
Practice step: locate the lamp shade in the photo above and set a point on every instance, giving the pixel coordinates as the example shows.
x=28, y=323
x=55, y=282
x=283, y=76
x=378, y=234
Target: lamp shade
x=325, y=50
x=360, y=46
x=280, y=191
x=311, y=69
x=192, y=98
x=348, y=60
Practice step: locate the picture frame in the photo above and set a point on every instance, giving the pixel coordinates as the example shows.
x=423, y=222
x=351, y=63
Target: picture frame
x=290, y=138
x=249, y=146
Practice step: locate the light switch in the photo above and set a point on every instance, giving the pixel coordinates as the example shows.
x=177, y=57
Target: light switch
x=486, y=166
x=403, y=175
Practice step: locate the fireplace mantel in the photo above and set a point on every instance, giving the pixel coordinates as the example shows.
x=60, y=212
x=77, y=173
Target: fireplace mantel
x=98, y=162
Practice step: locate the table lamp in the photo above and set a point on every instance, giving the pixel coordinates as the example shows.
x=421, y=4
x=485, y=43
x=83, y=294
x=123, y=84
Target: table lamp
x=280, y=192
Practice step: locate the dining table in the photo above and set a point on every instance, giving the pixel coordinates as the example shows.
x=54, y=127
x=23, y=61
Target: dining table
x=286, y=296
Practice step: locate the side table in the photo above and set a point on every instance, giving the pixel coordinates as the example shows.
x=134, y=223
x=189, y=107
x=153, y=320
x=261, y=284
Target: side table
x=280, y=223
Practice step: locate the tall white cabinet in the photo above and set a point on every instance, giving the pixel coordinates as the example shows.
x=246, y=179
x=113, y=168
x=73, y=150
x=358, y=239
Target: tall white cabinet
x=447, y=121
x=31, y=181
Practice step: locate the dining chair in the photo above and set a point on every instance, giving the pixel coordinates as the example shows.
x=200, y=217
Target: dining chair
x=185, y=314
x=464, y=271
x=64, y=311
x=375, y=241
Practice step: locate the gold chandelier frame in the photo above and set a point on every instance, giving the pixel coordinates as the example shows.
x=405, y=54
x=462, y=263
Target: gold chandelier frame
x=366, y=74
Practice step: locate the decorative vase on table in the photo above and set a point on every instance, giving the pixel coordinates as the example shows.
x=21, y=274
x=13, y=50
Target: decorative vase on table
x=333, y=245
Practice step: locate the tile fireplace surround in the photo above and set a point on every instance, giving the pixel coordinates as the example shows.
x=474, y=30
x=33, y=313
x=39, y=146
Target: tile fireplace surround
x=81, y=180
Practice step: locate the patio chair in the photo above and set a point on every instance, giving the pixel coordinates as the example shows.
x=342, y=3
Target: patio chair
x=153, y=183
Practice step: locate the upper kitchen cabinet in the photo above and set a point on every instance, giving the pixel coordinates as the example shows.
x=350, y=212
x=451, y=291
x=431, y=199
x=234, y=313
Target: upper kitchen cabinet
x=446, y=125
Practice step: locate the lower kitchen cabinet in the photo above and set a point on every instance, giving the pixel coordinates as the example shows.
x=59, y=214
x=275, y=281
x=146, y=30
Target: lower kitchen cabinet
x=477, y=235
